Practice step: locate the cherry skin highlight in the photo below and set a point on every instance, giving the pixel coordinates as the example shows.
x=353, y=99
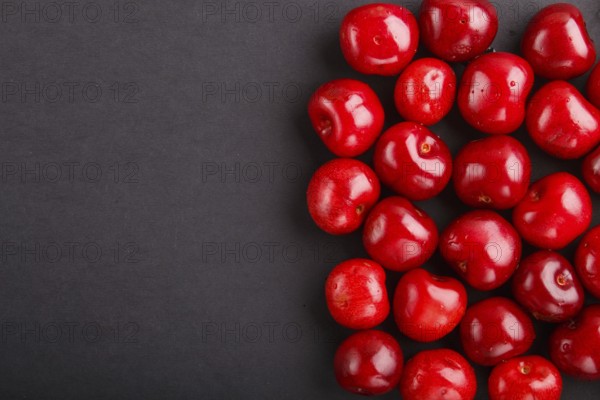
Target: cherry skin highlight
x=587, y=261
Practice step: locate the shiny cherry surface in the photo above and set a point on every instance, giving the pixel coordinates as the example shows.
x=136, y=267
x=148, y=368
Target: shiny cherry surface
x=494, y=330
x=340, y=194
x=492, y=173
x=562, y=122
x=587, y=261
x=493, y=92
x=356, y=294
x=379, y=38
x=593, y=87
x=425, y=91
x=426, y=306
x=399, y=235
x=525, y=378
x=557, y=44
x=368, y=363
x=574, y=345
x=440, y=374
x=347, y=115
x=590, y=169
x=547, y=286
x=458, y=31
x=482, y=247
x=555, y=210
x=413, y=161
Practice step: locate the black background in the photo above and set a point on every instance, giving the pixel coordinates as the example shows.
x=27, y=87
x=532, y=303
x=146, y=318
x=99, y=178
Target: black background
x=155, y=238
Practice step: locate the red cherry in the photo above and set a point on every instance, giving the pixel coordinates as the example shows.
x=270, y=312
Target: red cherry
x=482, y=247
x=379, y=38
x=492, y=173
x=546, y=284
x=590, y=169
x=347, y=115
x=562, y=122
x=457, y=30
x=593, y=87
x=427, y=307
x=340, y=194
x=425, y=91
x=557, y=44
x=413, y=161
x=356, y=294
x=574, y=345
x=555, y=210
x=493, y=92
x=524, y=378
x=399, y=235
x=438, y=374
x=587, y=261
x=368, y=363
x=494, y=330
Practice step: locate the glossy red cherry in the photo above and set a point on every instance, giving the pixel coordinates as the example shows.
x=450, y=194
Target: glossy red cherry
x=574, y=345
x=482, y=247
x=557, y=44
x=525, y=378
x=590, y=169
x=368, y=363
x=425, y=91
x=356, y=294
x=562, y=122
x=493, y=92
x=438, y=374
x=458, y=30
x=546, y=285
x=593, y=87
x=587, y=261
x=492, y=173
x=413, y=161
x=555, y=210
x=399, y=235
x=495, y=330
x=347, y=115
x=427, y=307
x=340, y=194
x=379, y=38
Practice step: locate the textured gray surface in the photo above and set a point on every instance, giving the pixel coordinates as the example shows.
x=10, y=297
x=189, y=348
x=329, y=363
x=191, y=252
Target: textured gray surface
x=155, y=240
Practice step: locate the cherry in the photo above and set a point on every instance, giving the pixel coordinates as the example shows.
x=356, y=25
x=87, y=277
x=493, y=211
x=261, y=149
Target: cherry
x=356, y=294
x=413, y=161
x=492, y=173
x=557, y=44
x=593, y=87
x=587, y=261
x=493, y=92
x=525, y=378
x=425, y=91
x=340, y=194
x=399, y=235
x=546, y=284
x=458, y=30
x=438, y=374
x=590, y=169
x=368, y=363
x=347, y=115
x=482, y=247
x=379, y=38
x=494, y=330
x=574, y=345
x=427, y=307
x=555, y=210
x=562, y=122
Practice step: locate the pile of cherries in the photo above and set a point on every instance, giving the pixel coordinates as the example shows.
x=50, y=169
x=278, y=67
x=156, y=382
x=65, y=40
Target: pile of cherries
x=490, y=174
